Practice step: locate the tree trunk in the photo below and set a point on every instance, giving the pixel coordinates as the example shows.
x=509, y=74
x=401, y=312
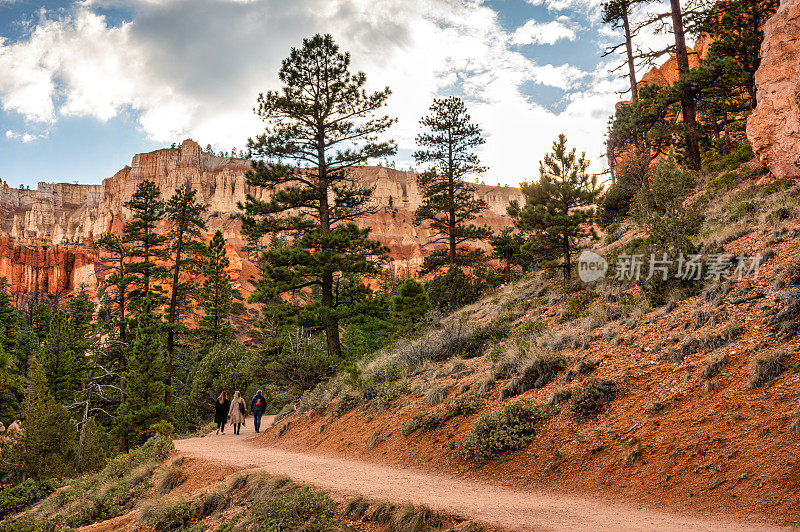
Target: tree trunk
x=567, y=260
x=451, y=221
x=330, y=323
x=687, y=98
x=629, y=51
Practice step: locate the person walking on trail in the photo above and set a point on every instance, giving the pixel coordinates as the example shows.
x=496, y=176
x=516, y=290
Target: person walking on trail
x=237, y=412
x=258, y=405
x=221, y=408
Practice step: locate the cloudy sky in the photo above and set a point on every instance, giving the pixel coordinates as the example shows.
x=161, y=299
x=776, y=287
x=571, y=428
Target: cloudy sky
x=86, y=84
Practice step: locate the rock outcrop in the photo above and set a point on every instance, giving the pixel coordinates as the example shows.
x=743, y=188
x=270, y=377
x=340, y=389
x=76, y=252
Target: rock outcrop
x=774, y=127
x=50, y=229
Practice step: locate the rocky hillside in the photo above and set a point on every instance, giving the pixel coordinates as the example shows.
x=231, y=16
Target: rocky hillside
x=693, y=405
x=49, y=231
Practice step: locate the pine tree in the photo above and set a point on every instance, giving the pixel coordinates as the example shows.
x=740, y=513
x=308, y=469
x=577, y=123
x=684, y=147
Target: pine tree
x=449, y=205
x=187, y=249
x=47, y=446
x=507, y=248
x=62, y=358
x=737, y=31
x=322, y=122
x=558, y=208
x=687, y=96
x=114, y=300
x=410, y=303
x=145, y=378
x=616, y=13
x=216, y=295
x=144, y=243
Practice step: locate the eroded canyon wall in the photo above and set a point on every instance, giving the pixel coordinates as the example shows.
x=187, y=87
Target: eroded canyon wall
x=61, y=220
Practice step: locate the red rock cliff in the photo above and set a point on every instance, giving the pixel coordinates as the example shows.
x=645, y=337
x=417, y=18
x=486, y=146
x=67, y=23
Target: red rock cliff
x=774, y=127
x=60, y=214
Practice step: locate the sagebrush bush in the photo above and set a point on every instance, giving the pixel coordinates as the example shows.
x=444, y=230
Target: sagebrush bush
x=506, y=429
x=535, y=374
x=765, y=367
x=460, y=405
x=591, y=399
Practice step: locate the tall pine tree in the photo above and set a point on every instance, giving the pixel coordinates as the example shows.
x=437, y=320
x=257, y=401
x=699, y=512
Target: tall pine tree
x=558, y=210
x=145, y=378
x=63, y=358
x=187, y=250
x=114, y=301
x=145, y=244
x=448, y=146
x=320, y=126
x=216, y=295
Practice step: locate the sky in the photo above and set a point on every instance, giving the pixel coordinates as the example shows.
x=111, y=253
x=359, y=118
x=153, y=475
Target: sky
x=84, y=85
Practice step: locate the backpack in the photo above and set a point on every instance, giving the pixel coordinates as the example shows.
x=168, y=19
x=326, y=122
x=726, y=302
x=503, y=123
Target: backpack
x=241, y=407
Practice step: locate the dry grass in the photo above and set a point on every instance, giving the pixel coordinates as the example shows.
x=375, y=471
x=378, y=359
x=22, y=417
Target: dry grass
x=765, y=367
x=170, y=478
x=713, y=368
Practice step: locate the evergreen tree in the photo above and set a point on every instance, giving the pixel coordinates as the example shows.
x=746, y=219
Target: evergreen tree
x=449, y=204
x=410, y=303
x=616, y=13
x=216, y=295
x=62, y=358
x=507, y=248
x=186, y=223
x=558, y=208
x=47, y=446
x=145, y=378
x=320, y=125
x=114, y=300
x=9, y=320
x=145, y=245
x=737, y=31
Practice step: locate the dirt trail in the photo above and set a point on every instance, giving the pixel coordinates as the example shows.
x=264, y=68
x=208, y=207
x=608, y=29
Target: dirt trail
x=499, y=506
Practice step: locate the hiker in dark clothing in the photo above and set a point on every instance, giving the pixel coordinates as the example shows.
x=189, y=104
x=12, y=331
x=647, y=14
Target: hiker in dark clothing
x=258, y=406
x=221, y=412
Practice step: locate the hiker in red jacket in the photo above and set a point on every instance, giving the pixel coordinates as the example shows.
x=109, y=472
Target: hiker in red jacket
x=257, y=407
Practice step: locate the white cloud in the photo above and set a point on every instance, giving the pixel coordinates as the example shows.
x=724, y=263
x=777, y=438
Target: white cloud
x=23, y=137
x=533, y=32
x=194, y=68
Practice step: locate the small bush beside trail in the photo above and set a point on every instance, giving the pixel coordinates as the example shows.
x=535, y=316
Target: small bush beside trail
x=506, y=429
x=592, y=398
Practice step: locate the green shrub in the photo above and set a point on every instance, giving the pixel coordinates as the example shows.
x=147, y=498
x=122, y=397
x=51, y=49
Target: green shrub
x=592, y=398
x=461, y=405
x=169, y=516
x=27, y=524
x=303, y=509
x=726, y=181
x=732, y=160
x=780, y=214
x=535, y=374
x=18, y=497
x=532, y=327
x=506, y=429
x=577, y=306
